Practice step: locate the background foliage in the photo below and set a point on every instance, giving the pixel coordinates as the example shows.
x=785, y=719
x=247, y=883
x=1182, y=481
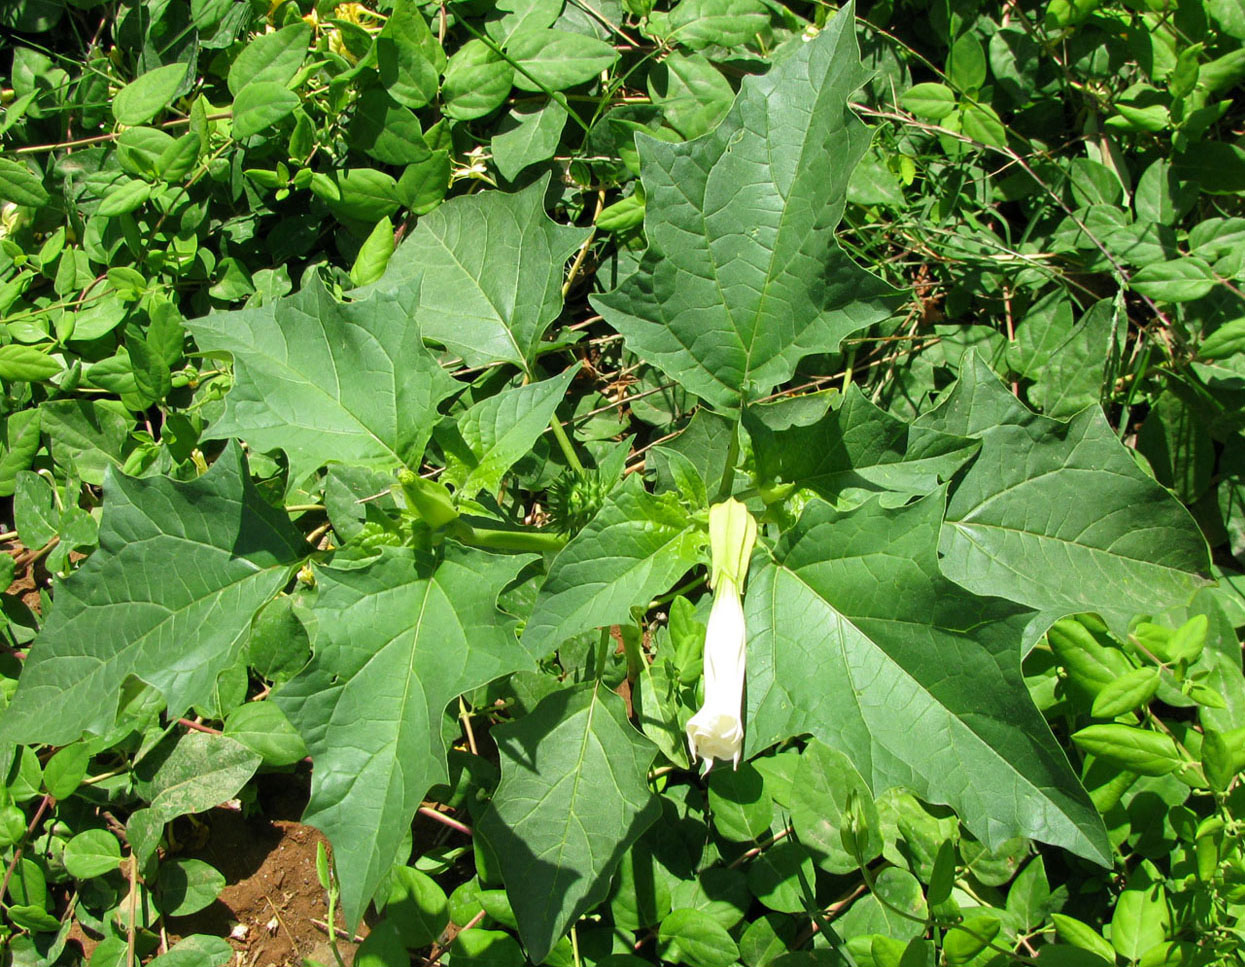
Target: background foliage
x=360, y=362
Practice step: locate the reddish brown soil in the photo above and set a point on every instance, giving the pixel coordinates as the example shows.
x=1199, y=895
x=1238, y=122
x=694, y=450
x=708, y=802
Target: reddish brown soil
x=273, y=896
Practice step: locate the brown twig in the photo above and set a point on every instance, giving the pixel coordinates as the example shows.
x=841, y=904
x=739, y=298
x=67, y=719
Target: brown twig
x=445, y=820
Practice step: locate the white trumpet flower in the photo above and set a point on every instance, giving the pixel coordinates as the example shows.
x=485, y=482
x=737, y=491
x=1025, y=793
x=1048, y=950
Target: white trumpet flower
x=716, y=731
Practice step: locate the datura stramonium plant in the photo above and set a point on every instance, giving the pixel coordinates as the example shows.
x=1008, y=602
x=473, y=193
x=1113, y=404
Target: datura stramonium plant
x=717, y=730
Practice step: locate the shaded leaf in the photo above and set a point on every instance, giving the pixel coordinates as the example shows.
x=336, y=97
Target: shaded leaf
x=854, y=450
x=573, y=798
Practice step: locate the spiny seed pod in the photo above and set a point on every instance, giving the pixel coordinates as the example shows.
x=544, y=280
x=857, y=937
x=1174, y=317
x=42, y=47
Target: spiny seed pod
x=574, y=499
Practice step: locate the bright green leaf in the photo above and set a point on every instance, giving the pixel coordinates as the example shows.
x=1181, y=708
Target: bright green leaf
x=494, y=433
x=146, y=96
x=92, y=853
x=20, y=185
x=18, y=362
x=260, y=105
x=477, y=80
x=1072, y=527
x=270, y=58
x=635, y=548
x=557, y=59
x=859, y=597
x=308, y=372
x=180, y=569
x=487, y=270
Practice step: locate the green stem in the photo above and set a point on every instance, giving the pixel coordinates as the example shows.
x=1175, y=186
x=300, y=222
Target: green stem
x=683, y=588
x=728, y=473
x=564, y=442
x=603, y=650
x=631, y=647
x=506, y=540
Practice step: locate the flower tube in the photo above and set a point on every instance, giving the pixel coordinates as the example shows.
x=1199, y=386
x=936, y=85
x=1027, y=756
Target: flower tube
x=716, y=731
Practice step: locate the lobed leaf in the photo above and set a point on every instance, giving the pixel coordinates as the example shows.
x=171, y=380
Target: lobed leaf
x=395, y=642
x=573, y=798
x=856, y=637
x=743, y=276
x=326, y=381
x=168, y=597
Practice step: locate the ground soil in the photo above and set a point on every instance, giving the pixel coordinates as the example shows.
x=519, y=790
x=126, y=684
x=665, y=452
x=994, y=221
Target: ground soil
x=273, y=898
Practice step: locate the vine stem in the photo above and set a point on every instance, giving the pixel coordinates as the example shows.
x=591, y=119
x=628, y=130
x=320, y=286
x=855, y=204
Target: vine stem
x=445, y=820
x=506, y=540
x=17, y=853
x=564, y=442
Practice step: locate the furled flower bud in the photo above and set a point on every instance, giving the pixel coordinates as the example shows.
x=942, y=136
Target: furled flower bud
x=717, y=730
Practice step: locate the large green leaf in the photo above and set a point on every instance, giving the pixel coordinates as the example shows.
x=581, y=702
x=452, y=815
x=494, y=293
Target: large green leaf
x=488, y=272
x=856, y=637
x=743, y=275
x=325, y=381
x=1057, y=516
x=395, y=642
x=573, y=798
x=168, y=597
x=852, y=451
x=636, y=547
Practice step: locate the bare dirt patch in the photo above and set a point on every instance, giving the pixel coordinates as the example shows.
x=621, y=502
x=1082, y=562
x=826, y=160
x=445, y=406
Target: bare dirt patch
x=273, y=899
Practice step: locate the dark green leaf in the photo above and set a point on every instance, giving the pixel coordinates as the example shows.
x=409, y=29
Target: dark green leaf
x=180, y=569
x=408, y=57
x=528, y=135
x=852, y=451
x=396, y=641
x=698, y=24
x=915, y=643
x=186, y=886
x=573, y=797
x=388, y=131
x=743, y=276
x=197, y=950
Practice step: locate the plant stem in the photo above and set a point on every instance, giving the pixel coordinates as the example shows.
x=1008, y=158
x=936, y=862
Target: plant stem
x=506, y=540
x=564, y=442
x=602, y=652
x=728, y=472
